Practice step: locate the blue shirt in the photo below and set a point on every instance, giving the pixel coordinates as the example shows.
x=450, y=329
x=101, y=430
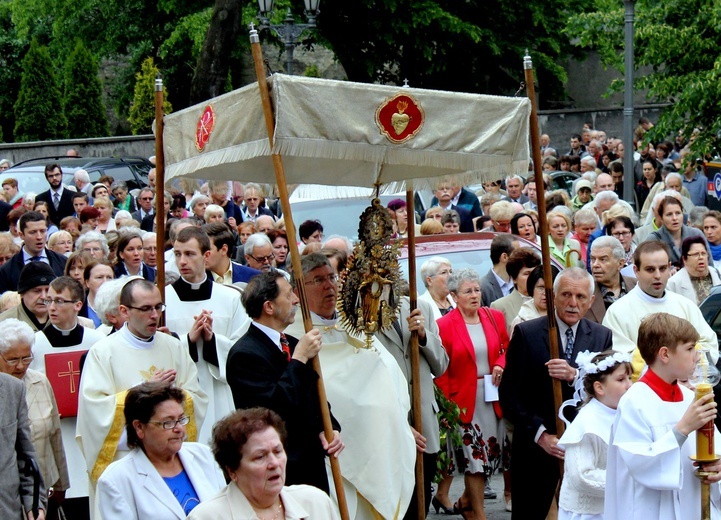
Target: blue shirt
x=697, y=187
x=183, y=491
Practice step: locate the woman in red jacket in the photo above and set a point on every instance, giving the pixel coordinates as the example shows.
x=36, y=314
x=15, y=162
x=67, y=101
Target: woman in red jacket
x=475, y=338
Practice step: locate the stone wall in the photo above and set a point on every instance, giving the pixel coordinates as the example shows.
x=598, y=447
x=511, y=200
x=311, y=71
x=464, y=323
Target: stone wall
x=125, y=146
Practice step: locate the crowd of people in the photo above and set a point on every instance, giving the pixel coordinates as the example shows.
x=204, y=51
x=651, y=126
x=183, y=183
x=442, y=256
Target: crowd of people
x=216, y=407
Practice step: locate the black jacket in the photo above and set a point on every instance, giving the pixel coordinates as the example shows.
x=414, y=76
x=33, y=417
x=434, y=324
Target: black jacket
x=259, y=375
x=10, y=271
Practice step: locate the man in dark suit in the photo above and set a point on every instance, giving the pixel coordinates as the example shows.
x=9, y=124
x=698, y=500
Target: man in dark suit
x=145, y=205
x=5, y=210
x=514, y=188
x=58, y=197
x=526, y=391
x=607, y=258
x=266, y=368
x=33, y=231
x=497, y=283
x=224, y=270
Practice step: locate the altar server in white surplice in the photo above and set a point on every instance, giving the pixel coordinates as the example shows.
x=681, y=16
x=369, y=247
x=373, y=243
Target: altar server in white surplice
x=208, y=317
x=649, y=471
x=136, y=353
x=63, y=335
x=369, y=396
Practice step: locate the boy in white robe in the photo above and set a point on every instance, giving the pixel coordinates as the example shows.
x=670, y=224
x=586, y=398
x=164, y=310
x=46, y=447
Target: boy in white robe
x=209, y=318
x=649, y=471
x=62, y=334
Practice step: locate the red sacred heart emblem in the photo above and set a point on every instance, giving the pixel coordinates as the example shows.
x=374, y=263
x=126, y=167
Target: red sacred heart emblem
x=400, y=118
x=206, y=123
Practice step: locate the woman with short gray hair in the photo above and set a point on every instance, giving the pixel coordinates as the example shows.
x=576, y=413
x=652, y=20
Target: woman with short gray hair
x=475, y=339
x=435, y=272
x=16, y=354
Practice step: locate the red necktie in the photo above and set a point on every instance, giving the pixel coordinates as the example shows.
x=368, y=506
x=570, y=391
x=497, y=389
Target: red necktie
x=285, y=346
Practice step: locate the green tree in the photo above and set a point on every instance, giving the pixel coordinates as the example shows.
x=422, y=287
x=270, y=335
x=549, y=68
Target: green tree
x=83, y=100
x=12, y=49
x=678, y=41
x=38, y=109
x=142, y=111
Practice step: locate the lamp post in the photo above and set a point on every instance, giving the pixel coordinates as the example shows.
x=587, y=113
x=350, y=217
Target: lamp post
x=288, y=31
x=629, y=180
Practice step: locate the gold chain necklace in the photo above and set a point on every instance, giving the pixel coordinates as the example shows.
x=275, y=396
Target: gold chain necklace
x=280, y=508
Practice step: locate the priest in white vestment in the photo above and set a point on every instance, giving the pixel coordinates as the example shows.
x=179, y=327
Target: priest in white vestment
x=136, y=353
x=209, y=318
x=369, y=397
x=63, y=334
x=650, y=295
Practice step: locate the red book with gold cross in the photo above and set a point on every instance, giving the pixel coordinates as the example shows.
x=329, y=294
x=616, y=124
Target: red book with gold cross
x=63, y=372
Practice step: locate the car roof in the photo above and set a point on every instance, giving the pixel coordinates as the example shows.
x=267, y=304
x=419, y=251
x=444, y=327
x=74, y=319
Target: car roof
x=80, y=162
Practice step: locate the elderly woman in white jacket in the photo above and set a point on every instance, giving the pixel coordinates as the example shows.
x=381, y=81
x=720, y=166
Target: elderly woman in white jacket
x=697, y=278
x=162, y=478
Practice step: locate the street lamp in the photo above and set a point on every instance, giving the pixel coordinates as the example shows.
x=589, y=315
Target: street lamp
x=288, y=31
x=629, y=179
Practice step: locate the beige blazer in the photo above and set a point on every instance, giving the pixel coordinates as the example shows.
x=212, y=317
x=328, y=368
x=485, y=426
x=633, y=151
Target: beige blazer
x=298, y=501
x=45, y=430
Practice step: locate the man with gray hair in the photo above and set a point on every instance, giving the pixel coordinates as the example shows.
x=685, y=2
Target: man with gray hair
x=607, y=259
x=588, y=164
x=340, y=243
x=258, y=252
x=253, y=205
x=526, y=391
x=107, y=304
x=514, y=188
x=370, y=400
x=145, y=205
x=82, y=182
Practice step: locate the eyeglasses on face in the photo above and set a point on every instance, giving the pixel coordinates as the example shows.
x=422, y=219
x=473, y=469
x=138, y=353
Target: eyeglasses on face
x=169, y=425
x=145, y=309
x=320, y=280
x=92, y=249
x=16, y=361
x=56, y=301
x=698, y=254
x=622, y=234
x=263, y=259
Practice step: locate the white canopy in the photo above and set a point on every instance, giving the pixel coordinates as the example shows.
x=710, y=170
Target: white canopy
x=327, y=133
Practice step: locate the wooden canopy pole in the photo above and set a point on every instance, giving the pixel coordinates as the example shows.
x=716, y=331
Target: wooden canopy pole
x=545, y=247
x=295, y=258
x=415, y=354
x=159, y=190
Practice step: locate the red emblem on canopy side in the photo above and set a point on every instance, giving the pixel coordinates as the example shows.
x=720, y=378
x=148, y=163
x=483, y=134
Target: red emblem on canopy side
x=206, y=123
x=400, y=118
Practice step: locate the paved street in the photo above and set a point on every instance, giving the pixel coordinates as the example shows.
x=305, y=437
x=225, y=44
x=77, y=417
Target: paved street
x=494, y=508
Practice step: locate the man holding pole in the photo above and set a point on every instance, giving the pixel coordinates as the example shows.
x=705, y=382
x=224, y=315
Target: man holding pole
x=370, y=399
x=526, y=392
x=433, y=362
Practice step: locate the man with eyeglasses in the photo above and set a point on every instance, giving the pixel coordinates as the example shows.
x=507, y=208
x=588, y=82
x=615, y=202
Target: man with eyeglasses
x=208, y=317
x=653, y=269
x=33, y=286
x=269, y=369
x=57, y=352
x=145, y=205
x=59, y=198
x=33, y=231
x=369, y=396
x=607, y=259
x=258, y=252
x=137, y=352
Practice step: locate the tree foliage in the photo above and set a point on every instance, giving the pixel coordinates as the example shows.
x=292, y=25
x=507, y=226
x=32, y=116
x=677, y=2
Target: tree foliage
x=39, y=108
x=142, y=111
x=12, y=49
x=680, y=42
x=83, y=101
